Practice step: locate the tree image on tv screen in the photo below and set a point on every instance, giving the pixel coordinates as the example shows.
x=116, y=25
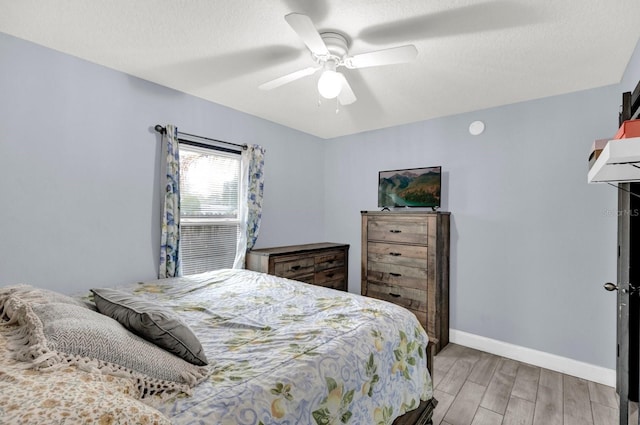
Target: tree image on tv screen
x=409, y=188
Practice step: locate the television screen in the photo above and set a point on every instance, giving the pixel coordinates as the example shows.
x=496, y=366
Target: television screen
x=414, y=187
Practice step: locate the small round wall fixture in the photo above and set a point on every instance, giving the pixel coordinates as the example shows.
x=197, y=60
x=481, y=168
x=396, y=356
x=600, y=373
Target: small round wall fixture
x=476, y=128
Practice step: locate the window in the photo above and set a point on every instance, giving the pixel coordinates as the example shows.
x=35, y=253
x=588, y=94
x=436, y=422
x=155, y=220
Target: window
x=209, y=196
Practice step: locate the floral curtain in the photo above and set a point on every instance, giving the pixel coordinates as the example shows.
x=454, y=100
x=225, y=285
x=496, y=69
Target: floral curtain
x=170, y=231
x=250, y=213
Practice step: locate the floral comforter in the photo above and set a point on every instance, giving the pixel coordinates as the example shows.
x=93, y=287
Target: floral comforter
x=285, y=352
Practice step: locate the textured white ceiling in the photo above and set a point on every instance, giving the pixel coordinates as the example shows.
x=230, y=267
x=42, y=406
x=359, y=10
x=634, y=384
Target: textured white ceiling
x=471, y=54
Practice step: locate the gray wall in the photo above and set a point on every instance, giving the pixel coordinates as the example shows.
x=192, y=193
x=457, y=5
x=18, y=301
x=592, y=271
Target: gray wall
x=80, y=204
x=531, y=242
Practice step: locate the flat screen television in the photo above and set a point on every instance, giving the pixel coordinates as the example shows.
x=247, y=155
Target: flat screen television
x=412, y=187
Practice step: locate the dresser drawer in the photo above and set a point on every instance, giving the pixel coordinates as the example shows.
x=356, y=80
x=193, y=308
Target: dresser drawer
x=394, y=230
x=422, y=318
x=409, y=277
x=427, y=324
x=402, y=255
x=307, y=278
x=335, y=284
x=330, y=274
x=329, y=260
x=411, y=298
x=294, y=268
x=332, y=278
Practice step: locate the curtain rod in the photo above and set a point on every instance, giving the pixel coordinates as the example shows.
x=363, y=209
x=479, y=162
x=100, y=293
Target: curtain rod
x=160, y=129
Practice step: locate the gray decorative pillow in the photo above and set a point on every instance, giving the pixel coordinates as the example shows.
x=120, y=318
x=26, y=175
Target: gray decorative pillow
x=152, y=322
x=69, y=334
x=50, y=331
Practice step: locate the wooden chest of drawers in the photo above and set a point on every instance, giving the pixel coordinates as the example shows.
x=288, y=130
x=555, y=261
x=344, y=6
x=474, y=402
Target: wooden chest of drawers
x=322, y=264
x=405, y=260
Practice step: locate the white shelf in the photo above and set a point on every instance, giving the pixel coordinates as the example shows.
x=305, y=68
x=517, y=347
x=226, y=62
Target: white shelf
x=619, y=162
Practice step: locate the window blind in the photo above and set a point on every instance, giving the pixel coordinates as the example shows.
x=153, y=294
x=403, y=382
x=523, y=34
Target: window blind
x=209, y=196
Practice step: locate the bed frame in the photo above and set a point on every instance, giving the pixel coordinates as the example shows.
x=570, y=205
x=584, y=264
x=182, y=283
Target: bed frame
x=423, y=414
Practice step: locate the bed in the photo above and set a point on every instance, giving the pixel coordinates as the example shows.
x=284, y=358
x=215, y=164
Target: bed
x=278, y=351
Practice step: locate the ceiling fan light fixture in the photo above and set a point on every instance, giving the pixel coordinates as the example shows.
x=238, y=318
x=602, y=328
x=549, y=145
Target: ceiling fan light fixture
x=330, y=50
x=329, y=84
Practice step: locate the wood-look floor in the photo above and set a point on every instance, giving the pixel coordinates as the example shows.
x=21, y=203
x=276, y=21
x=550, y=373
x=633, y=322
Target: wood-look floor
x=476, y=388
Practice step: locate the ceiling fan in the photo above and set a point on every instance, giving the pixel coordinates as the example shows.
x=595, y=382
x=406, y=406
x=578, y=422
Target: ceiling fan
x=330, y=51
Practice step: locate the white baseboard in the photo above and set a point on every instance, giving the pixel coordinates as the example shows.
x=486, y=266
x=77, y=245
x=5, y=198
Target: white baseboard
x=561, y=364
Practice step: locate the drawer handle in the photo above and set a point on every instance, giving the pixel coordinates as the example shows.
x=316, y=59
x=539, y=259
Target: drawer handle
x=395, y=274
x=394, y=295
x=395, y=254
x=330, y=275
x=295, y=268
x=395, y=231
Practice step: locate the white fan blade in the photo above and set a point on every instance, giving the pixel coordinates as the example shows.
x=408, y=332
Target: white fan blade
x=269, y=85
x=390, y=56
x=346, y=96
x=305, y=29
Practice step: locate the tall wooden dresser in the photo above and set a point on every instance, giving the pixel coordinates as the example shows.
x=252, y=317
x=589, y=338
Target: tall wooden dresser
x=323, y=264
x=405, y=260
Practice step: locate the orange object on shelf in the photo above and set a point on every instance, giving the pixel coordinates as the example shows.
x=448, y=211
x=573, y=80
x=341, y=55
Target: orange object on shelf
x=628, y=129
